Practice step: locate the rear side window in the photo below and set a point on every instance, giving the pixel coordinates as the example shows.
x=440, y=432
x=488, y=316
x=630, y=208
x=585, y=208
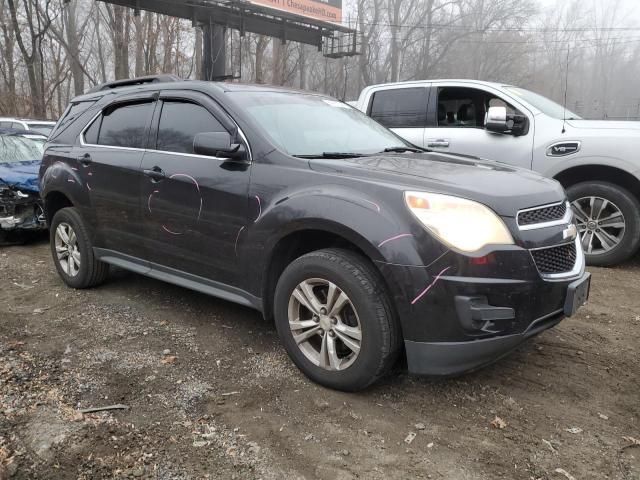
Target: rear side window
x=180, y=122
x=125, y=125
x=70, y=115
x=400, y=108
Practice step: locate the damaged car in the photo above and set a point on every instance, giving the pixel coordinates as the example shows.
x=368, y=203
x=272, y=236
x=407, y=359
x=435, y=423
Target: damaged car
x=21, y=212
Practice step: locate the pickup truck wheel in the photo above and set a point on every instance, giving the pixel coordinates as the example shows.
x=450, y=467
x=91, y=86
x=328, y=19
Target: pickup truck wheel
x=73, y=252
x=334, y=318
x=608, y=218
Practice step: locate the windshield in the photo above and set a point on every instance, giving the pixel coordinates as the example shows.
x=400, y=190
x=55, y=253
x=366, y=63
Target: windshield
x=546, y=106
x=310, y=125
x=18, y=149
x=42, y=128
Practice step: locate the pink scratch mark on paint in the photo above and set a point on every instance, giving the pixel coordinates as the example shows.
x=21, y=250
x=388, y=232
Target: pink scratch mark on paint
x=71, y=180
x=169, y=231
x=426, y=290
x=235, y=248
x=74, y=169
x=373, y=203
x=395, y=238
x=88, y=187
x=90, y=174
x=196, y=184
x=149, y=199
x=260, y=207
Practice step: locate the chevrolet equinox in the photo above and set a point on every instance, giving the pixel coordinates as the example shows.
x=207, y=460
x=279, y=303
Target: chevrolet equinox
x=360, y=246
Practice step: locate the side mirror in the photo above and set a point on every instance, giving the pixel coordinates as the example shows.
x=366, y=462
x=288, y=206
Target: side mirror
x=218, y=144
x=497, y=121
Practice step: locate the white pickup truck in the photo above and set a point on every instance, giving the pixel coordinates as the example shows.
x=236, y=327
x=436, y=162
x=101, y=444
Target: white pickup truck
x=598, y=162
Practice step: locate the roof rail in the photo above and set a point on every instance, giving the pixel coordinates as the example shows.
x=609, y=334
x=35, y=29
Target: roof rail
x=130, y=82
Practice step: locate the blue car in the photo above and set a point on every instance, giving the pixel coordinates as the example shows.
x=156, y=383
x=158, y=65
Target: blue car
x=20, y=205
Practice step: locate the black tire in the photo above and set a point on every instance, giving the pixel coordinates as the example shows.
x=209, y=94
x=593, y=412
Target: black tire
x=91, y=272
x=630, y=208
x=359, y=280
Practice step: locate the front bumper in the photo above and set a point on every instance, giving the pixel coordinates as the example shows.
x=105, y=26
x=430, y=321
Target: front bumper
x=474, y=316
x=454, y=358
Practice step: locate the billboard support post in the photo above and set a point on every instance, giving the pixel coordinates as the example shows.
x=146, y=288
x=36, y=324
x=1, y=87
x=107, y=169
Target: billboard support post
x=214, y=56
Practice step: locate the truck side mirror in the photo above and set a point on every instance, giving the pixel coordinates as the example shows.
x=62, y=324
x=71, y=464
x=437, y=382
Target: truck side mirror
x=218, y=144
x=497, y=121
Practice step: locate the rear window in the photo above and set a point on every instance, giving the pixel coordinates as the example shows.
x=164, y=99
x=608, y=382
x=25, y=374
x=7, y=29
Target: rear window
x=400, y=108
x=72, y=113
x=18, y=149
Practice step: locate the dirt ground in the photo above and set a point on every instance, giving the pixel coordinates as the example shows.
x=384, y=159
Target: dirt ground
x=211, y=394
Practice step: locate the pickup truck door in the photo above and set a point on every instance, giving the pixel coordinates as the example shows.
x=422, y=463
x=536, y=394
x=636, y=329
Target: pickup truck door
x=456, y=125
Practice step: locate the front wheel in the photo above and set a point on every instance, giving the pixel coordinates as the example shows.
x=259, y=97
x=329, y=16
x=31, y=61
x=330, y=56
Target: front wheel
x=334, y=318
x=608, y=218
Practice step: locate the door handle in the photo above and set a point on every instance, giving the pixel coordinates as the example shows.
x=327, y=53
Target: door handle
x=439, y=143
x=156, y=174
x=85, y=160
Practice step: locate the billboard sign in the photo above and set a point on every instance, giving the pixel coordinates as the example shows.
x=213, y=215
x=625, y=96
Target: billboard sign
x=325, y=10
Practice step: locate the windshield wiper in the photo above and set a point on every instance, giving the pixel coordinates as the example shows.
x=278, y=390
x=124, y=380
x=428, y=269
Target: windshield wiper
x=333, y=155
x=403, y=149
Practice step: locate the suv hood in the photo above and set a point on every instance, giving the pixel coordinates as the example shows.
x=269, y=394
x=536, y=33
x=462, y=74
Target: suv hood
x=501, y=187
x=604, y=124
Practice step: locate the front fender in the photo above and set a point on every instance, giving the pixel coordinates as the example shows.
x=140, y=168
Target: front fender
x=591, y=160
x=379, y=225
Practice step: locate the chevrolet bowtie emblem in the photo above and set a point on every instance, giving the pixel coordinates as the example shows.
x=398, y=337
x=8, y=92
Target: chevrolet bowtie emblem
x=570, y=233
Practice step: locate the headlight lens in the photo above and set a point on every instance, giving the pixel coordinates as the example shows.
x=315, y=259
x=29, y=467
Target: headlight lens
x=462, y=224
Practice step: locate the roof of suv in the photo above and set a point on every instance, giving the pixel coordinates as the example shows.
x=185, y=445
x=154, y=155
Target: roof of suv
x=215, y=87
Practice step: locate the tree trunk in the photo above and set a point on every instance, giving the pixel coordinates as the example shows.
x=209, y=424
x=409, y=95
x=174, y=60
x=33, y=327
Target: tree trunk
x=73, y=46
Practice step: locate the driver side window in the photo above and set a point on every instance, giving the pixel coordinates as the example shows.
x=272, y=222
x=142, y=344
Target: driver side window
x=461, y=107
x=180, y=122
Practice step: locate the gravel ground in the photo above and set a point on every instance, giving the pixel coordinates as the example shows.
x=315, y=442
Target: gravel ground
x=211, y=394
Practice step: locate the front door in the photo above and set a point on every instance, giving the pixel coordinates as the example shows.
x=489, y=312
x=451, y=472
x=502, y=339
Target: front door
x=109, y=159
x=193, y=206
x=459, y=127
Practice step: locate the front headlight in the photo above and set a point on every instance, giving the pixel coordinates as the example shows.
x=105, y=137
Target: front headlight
x=462, y=224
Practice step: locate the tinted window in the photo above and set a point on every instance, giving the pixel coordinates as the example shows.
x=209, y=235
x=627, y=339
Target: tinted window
x=466, y=107
x=91, y=134
x=125, y=126
x=404, y=107
x=180, y=122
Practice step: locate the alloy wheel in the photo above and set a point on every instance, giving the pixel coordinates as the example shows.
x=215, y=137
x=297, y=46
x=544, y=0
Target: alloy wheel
x=324, y=324
x=601, y=224
x=67, y=249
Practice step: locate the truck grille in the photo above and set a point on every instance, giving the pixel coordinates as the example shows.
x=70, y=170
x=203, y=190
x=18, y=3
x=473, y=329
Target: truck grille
x=542, y=215
x=560, y=259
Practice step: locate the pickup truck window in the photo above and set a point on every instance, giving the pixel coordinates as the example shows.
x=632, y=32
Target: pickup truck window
x=546, y=106
x=308, y=125
x=400, y=108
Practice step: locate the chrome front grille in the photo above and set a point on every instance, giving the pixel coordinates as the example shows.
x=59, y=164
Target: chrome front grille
x=538, y=216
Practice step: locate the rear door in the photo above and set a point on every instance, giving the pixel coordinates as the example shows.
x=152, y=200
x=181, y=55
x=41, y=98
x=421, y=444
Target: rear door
x=402, y=109
x=194, y=206
x=457, y=125
x=109, y=161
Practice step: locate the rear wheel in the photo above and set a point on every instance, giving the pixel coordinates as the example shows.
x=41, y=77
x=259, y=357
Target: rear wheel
x=608, y=218
x=73, y=252
x=335, y=320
